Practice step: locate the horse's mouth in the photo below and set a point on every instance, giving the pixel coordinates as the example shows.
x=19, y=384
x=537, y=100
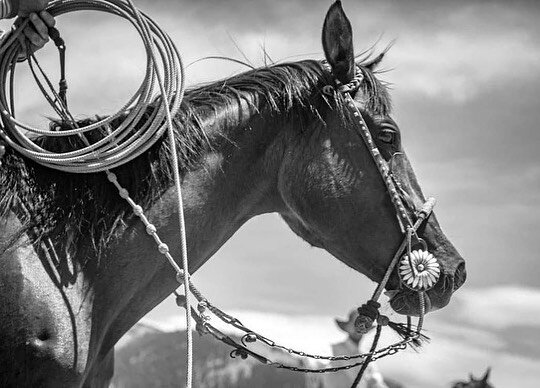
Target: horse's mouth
x=407, y=302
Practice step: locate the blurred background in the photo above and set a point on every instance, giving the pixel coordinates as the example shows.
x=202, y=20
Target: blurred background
x=465, y=79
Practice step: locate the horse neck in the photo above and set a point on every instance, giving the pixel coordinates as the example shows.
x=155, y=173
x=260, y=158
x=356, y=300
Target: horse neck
x=235, y=181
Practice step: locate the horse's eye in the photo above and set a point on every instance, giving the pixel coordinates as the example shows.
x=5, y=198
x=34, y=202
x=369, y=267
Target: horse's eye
x=386, y=136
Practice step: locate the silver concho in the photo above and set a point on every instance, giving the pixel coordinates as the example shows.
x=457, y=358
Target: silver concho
x=420, y=272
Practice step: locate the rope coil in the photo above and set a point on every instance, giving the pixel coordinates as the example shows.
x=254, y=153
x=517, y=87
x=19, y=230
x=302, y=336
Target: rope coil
x=132, y=137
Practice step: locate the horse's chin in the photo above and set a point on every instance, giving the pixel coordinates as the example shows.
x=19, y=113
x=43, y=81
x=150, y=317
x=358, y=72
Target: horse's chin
x=407, y=302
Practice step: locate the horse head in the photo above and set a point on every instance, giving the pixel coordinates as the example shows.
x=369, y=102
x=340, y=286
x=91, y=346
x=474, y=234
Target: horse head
x=336, y=198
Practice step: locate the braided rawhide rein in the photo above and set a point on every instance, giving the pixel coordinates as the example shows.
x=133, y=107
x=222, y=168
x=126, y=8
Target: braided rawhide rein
x=241, y=349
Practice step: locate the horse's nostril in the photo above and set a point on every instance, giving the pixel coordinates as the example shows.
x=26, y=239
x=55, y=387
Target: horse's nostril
x=460, y=275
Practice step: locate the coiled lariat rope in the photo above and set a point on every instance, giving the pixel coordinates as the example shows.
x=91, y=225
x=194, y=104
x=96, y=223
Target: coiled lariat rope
x=164, y=77
x=128, y=140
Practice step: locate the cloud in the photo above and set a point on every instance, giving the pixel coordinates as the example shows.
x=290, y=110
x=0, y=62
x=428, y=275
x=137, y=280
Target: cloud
x=447, y=52
x=469, y=176
x=453, y=66
x=453, y=52
x=500, y=307
x=465, y=53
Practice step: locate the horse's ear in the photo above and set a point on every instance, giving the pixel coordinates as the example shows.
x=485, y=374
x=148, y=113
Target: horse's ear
x=338, y=43
x=486, y=375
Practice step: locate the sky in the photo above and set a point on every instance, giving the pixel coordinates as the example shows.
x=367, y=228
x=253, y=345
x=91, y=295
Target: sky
x=465, y=81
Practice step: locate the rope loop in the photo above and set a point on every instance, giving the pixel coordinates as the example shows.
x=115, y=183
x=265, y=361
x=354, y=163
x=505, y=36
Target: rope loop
x=136, y=134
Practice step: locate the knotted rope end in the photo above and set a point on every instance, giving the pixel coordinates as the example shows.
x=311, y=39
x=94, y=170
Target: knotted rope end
x=367, y=315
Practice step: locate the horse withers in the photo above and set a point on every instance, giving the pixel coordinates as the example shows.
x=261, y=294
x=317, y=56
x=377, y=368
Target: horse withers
x=77, y=269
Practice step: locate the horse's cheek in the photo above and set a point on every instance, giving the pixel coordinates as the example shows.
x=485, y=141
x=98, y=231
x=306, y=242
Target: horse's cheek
x=311, y=195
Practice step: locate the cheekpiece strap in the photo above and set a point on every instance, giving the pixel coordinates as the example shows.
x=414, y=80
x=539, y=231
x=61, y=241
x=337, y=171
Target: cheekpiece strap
x=382, y=165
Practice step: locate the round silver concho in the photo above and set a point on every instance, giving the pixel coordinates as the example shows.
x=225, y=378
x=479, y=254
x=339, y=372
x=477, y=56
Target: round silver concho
x=420, y=271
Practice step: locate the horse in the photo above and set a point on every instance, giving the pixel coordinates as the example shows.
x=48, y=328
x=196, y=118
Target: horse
x=77, y=269
x=475, y=383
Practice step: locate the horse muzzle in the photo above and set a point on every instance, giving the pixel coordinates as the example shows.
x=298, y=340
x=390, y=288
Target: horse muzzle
x=407, y=301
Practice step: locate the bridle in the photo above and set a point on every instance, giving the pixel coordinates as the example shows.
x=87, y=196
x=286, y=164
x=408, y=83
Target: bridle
x=405, y=208
x=418, y=269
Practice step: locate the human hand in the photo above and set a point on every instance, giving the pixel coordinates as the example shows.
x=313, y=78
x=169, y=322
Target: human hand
x=37, y=30
x=26, y=7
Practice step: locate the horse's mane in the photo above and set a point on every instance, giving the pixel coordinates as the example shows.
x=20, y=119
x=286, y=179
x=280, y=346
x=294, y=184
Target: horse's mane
x=63, y=204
